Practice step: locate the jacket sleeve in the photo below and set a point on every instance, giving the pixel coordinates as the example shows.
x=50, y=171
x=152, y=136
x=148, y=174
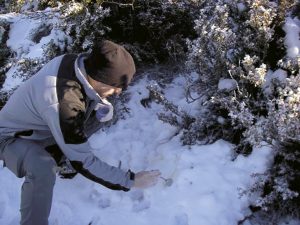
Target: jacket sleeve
x=82, y=158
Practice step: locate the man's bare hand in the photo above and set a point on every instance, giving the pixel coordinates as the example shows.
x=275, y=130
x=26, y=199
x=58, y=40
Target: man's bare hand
x=145, y=179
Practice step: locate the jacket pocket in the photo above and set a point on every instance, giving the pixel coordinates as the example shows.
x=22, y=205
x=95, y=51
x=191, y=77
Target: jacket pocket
x=25, y=133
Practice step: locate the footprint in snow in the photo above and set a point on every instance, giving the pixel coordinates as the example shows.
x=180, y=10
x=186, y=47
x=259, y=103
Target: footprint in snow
x=181, y=219
x=139, y=202
x=137, y=195
x=96, y=221
x=102, y=201
x=140, y=206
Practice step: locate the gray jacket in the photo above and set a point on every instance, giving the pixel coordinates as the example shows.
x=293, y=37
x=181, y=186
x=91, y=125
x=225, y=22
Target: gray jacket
x=58, y=102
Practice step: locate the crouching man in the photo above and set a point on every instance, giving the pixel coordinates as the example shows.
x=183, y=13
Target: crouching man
x=64, y=104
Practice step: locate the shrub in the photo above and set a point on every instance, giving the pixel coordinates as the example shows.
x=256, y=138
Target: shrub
x=235, y=43
x=152, y=31
x=4, y=50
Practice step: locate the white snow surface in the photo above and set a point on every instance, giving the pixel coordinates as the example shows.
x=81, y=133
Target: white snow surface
x=241, y=7
x=206, y=183
x=227, y=84
x=292, y=38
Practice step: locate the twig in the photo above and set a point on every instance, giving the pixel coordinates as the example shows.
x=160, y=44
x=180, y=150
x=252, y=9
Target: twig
x=241, y=222
x=189, y=97
x=120, y=4
x=237, y=85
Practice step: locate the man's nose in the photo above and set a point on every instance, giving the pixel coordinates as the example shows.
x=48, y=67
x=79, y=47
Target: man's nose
x=118, y=91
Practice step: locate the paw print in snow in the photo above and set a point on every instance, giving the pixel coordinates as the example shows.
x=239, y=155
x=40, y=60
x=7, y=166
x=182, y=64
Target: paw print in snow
x=140, y=206
x=181, y=219
x=139, y=202
x=102, y=201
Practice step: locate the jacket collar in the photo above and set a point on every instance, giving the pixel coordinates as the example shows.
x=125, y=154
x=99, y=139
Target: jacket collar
x=82, y=76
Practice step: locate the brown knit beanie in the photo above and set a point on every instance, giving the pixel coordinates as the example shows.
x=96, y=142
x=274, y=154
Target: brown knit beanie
x=110, y=64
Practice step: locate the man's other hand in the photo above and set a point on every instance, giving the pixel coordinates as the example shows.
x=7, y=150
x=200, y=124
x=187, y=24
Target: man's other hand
x=145, y=179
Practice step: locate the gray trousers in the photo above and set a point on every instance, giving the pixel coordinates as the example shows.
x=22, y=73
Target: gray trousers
x=30, y=159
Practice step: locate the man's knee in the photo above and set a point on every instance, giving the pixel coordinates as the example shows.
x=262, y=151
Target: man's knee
x=42, y=170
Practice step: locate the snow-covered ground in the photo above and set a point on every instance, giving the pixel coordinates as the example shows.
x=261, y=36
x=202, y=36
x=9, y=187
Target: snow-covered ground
x=206, y=181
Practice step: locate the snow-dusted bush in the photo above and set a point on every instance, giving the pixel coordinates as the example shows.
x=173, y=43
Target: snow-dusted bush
x=280, y=186
x=21, y=5
x=232, y=38
x=151, y=30
x=232, y=45
x=4, y=54
x=84, y=24
x=4, y=50
x=160, y=29
x=281, y=128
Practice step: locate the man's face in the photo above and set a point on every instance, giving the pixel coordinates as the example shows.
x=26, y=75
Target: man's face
x=102, y=89
x=105, y=90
